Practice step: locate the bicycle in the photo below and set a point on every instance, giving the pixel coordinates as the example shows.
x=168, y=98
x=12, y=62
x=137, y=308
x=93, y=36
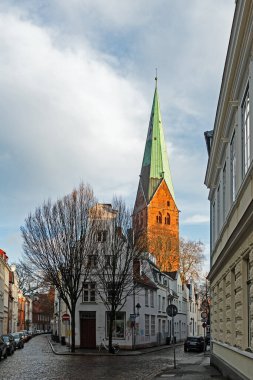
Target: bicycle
x=104, y=346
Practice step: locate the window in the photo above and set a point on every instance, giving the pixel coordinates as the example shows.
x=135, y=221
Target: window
x=168, y=203
x=112, y=292
x=119, y=322
x=167, y=219
x=146, y=297
x=89, y=292
x=92, y=261
x=159, y=303
x=151, y=298
x=213, y=223
x=101, y=236
x=224, y=179
x=163, y=304
x=218, y=209
x=246, y=133
x=159, y=218
x=232, y=167
x=152, y=325
x=146, y=324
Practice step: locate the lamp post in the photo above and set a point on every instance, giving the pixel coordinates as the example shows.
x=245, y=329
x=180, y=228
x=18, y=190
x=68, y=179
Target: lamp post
x=172, y=312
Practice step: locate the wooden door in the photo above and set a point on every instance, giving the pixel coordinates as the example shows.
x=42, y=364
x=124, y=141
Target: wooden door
x=88, y=329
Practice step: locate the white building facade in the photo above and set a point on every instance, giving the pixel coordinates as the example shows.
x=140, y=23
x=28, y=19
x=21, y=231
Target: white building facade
x=229, y=177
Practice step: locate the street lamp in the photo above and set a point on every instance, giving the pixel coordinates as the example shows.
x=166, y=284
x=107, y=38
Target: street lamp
x=138, y=306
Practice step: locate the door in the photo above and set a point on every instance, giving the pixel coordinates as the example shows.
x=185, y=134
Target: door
x=88, y=329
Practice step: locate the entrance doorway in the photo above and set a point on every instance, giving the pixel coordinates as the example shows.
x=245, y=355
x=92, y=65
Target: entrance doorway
x=88, y=329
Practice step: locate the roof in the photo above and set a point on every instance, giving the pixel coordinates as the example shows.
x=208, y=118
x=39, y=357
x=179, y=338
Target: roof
x=145, y=281
x=172, y=275
x=155, y=164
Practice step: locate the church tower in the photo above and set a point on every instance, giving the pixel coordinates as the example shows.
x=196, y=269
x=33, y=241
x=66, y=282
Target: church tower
x=155, y=215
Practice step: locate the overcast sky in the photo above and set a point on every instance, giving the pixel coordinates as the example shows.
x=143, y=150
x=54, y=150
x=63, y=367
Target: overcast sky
x=76, y=89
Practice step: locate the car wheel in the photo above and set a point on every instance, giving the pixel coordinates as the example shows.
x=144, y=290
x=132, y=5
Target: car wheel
x=185, y=349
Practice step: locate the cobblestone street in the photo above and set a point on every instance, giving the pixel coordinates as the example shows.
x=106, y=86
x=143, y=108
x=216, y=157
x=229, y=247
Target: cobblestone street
x=37, y=361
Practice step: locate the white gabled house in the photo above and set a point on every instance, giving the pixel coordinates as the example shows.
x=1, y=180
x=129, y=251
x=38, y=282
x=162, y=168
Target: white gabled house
x=141, y=319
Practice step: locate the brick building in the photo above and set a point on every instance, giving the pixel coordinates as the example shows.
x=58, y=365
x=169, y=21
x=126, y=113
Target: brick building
x=156, y=216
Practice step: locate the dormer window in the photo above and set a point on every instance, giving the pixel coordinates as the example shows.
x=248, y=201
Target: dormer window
x=167, y=219
x=159, y=218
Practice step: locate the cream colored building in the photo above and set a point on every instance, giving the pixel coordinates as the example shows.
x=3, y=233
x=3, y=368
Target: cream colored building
x=229, y=177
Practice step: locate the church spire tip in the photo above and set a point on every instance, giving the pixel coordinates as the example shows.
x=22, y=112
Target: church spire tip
x=156, y=78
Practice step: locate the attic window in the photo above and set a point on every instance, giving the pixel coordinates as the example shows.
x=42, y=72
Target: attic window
x=168, y=203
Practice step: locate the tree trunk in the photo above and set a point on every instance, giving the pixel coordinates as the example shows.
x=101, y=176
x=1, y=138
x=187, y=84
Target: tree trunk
x=111, y=320
x=73, y=328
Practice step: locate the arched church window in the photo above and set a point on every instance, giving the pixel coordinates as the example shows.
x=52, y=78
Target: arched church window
x=159, y=218
x=167, y=219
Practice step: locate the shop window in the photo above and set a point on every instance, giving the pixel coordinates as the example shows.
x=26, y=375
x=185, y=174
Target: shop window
x=119, y=325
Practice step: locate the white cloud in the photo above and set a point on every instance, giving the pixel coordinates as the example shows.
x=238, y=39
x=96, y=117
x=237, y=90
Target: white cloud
x=76, y=89
x=196, y=219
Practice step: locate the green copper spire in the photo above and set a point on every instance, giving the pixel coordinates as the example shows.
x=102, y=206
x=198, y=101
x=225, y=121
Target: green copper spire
x=155, y=165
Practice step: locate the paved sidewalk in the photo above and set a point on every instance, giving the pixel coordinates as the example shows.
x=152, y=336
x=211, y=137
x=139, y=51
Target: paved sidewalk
x=60, y=349
x=190, y=367
x=193, y=368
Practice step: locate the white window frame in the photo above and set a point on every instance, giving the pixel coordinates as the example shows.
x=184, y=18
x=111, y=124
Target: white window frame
x=224, y=189
x=245, y=109
x=233, y=166
x=152, y=325
x=89, y=292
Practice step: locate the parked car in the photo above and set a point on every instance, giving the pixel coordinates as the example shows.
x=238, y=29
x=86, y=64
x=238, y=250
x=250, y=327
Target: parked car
x=195, y=343
x=3, y=349
x=19, y=342
x=24, y=336
x=9, y=340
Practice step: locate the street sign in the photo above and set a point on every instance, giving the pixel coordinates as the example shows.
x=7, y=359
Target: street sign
x=171, y=310
x=65, y=317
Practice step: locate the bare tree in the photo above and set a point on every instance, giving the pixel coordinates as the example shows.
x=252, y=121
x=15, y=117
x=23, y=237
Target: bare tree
x=191, y=259
x=114, y=260
x=30, y=280
x=57, y=240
